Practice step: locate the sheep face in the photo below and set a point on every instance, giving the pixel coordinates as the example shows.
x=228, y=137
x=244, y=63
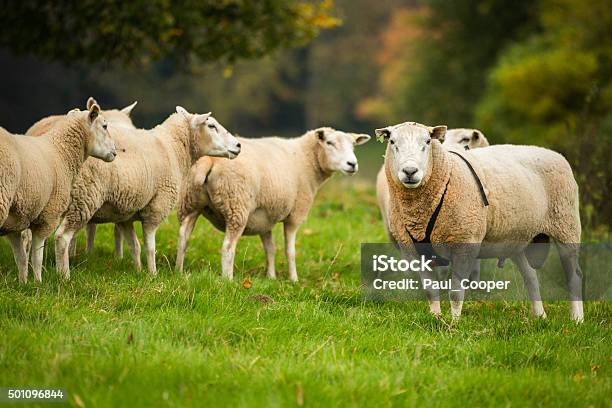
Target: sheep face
x=409, y=151
x=465, y=139
x=336, y=150
x=99, y=145
x=212, y=138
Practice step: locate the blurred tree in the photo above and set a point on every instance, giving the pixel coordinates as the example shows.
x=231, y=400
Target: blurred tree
x=342, y=68
x=94, y=31
x=555, y=89
x=435, y=58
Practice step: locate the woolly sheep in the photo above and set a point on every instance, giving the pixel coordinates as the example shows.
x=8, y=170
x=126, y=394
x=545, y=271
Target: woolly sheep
x=464, y=139
x=115, y=118
x=36, y=175
x=143, y=183
x=248, y=196
x=454, y=139
x=531, y=193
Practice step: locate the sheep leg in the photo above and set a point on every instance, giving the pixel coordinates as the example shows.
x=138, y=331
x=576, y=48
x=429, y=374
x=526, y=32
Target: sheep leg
x=73, y=246
x=573, y=275
x=63, y=237
x=228, y=251
x=475, y=272
x=462, y=265
x=530, y=278
x=19, y=253
x=118, y=243
x=433, y=295
x=185, y=231
x=128, y=232
x=149, y=231
x=38, y=250
x=268, y=243
x=290, y=233
x=90, y=230
x=26, y=238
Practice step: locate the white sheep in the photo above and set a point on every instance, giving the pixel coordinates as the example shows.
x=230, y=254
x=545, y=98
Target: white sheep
x=274, y=180
x=115, y=118
x=143, y=183
x=36, y=175
x=531, y=195
x=460, y=139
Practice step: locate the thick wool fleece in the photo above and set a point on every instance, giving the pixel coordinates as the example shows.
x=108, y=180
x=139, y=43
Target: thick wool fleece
x=284, y=184
x=531, y=190
x=36, y=175
x=142, y=183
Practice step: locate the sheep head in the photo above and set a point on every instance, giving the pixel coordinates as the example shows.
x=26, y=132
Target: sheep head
x=210, y=137
x=99, y=143
x=336, y=149
x=460, y=138
x=409, y=151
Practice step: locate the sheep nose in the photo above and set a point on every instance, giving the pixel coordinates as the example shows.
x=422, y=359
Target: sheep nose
x=410, y=171
x=351, y=163
x=238, y=145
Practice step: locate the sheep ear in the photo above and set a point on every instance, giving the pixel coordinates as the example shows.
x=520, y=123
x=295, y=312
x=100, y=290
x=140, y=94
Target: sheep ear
x=360, y=138
x=199, y=120
x=383, y=134
x=320, y=134
x=182, y=111
x=475, y=135
x=91, y=102
x=128, y=109
x=94, y=111
x=438, y=132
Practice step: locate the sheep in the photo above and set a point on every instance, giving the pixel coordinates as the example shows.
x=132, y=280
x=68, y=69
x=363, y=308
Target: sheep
x=115, y=118
x=465, y=138
x=461, y=139
x=36, y=174
x=143, y=183
x=248, y=196
x=531, y=195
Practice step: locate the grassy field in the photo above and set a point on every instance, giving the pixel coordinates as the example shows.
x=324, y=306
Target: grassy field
x=113, y=337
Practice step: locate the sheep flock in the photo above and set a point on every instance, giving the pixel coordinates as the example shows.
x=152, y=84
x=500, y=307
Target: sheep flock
x=446, y=188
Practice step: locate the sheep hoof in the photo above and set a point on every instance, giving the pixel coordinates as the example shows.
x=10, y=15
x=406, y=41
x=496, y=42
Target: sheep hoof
x=435, y=309
x=578, y=319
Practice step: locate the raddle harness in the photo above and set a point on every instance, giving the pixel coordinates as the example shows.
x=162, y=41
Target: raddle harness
x=424, y=246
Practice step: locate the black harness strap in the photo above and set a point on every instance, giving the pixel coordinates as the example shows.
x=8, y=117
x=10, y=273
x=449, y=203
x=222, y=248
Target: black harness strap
x=424, y=246
x=480, y=186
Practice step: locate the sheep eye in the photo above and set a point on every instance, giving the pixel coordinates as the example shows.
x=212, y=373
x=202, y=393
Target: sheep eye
x=391, y=141
x=212, y=127
x=329, y=143
x=465, y=140
x=428, y=141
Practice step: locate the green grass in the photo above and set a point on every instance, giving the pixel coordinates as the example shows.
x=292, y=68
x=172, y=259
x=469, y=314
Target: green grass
x=113, y=337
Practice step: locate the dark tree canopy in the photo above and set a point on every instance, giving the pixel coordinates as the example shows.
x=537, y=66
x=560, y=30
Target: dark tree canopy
x=94, y=31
